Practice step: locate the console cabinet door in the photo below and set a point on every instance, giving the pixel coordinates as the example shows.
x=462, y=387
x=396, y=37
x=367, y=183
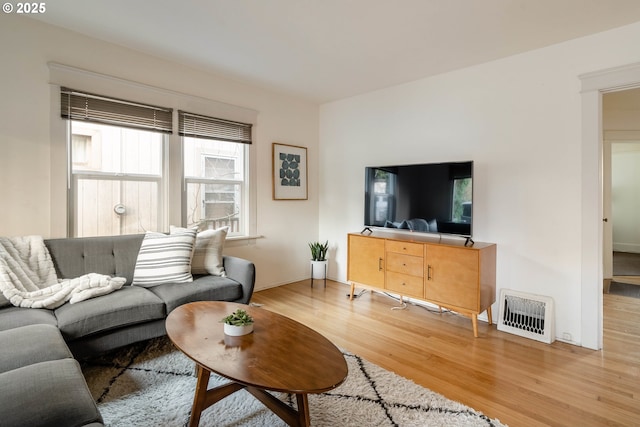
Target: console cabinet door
x=453, y=276
x=366, y=260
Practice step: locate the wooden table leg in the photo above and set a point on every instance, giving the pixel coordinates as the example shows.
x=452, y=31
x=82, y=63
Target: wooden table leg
x=489, y=315
x=200, y=396
x=303, y=409
x=282, y=410
x=206, y=397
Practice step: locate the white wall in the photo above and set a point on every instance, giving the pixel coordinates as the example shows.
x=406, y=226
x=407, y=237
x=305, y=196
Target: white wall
x=26, y=184
x=519, y=119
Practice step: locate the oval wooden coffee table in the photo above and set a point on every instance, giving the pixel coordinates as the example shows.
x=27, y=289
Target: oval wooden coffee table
x=280, y=355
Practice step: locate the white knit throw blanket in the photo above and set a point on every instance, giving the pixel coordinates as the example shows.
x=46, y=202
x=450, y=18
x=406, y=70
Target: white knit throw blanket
x=28, y=277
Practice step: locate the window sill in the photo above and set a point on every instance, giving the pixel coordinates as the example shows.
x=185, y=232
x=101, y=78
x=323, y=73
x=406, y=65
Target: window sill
x=233, y=241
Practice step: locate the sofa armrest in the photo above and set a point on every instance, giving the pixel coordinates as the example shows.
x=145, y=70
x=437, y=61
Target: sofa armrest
x=242, y=271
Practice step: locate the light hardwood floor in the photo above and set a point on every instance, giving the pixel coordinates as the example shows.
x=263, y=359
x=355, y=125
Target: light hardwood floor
x=519, y=381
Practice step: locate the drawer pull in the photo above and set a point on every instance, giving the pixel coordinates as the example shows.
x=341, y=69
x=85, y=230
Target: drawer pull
x=379, y=264
x=429, y=272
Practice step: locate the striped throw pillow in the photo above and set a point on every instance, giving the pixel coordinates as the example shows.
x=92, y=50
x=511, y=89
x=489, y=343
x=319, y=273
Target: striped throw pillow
x=164, y=258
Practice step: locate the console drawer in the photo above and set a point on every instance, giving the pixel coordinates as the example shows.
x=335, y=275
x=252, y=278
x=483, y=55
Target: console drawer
x=406, y=264
x=415, y=249
x=405, y=284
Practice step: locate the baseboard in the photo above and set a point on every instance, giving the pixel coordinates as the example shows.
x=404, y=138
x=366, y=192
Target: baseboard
x=633, y=248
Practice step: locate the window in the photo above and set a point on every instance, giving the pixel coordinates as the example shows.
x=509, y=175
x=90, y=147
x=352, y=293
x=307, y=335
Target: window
x=117, y=181
x=462, y=195
x=127, y=173
x=215, y=184
x=216, y=154
x=116, y=184
x=384, y=192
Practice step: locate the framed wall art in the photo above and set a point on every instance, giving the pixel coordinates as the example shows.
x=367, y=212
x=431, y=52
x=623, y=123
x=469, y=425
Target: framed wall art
x=289, y=172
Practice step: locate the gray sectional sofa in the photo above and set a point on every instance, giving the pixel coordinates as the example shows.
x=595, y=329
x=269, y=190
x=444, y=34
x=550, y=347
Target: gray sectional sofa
x=41, y=383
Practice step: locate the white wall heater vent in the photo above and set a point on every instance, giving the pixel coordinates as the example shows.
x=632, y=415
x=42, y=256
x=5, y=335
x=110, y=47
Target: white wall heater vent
x=530, y=316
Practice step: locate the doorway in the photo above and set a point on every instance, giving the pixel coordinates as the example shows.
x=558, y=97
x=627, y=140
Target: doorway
x=621, y=192
x=625, y=181
x=621, y=250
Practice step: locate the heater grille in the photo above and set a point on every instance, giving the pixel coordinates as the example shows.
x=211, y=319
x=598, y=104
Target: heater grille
x=527, y=315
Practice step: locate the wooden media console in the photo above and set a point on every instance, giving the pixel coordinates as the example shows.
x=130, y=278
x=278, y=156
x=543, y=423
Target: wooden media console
x=450, y=275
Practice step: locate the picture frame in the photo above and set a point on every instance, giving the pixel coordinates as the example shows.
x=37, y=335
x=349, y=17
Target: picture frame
x=289, y=172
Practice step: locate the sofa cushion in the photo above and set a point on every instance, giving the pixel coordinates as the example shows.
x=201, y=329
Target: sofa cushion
x=31, y=344
x=3, y=301
x=14, y=317
x=203, y=288
x=54, y=392
x=124, y=307
x=165, y=258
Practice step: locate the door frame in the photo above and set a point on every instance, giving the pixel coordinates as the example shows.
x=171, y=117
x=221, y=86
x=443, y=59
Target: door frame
x=594, y=84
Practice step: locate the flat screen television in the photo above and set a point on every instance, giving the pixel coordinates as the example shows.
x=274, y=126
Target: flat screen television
x=427, y=198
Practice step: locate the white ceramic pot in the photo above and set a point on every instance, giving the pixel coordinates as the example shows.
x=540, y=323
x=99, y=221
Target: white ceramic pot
x=236, y=331
x=318, y=269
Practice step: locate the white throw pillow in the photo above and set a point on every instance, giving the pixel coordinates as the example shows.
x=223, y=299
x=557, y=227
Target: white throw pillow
x=165, y=258
x=207, y=255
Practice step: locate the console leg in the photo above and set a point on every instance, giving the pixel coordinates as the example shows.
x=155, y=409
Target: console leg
x=474, y=320
x=402, y=306
x=489, y=315
x=353, y=289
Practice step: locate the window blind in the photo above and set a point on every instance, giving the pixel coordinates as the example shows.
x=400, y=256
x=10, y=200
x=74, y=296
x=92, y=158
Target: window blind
x=78, y=105
x=198, y=126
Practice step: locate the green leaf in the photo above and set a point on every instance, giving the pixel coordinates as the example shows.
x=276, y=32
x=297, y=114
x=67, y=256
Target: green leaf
x=238, y=318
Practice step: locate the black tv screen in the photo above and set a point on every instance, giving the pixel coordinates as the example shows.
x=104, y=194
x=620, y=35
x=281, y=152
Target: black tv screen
x=428, y=198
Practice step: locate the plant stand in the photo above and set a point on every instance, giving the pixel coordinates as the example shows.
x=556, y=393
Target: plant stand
x=325, y=274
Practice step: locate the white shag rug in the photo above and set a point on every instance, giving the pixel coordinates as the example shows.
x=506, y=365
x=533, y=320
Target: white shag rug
x=152, y=384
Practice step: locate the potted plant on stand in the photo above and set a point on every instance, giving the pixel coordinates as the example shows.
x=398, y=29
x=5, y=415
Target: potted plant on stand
x=319, y=260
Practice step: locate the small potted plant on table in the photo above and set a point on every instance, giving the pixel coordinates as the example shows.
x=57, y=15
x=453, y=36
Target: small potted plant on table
x=238, y=323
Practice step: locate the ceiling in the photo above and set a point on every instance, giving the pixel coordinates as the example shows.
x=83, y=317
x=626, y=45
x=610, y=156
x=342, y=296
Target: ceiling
x=324, y=50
